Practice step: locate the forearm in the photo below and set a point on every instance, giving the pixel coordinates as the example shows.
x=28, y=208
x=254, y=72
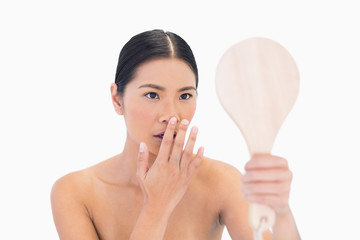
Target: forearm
x=151, y=224
x=285, y=227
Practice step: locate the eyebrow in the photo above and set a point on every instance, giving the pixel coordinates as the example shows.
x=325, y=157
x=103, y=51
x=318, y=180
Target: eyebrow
x=163, y=89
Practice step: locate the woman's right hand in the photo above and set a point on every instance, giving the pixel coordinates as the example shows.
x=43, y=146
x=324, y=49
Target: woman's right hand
x=165, y=183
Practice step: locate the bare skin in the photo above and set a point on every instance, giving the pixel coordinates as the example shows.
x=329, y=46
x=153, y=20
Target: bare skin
x=157, y=188
x=112, y=206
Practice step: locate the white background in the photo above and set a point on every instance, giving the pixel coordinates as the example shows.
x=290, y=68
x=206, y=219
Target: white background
x=58, y=59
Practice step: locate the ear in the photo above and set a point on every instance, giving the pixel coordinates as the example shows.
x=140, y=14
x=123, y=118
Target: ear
x=116, y=99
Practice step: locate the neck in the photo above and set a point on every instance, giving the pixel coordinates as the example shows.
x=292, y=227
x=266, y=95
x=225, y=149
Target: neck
x=129, y=159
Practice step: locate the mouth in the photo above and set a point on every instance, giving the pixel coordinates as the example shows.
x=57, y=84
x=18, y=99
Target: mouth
x=160, y=136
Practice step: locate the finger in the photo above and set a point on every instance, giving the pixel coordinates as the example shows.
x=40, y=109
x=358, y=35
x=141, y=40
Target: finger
x=266, y=188
x=143, y=161
x=167, y=140
x=270, y=175
x=278, y=203
x=195, y=163
x=189, y=148
x=265, y=199
x=179, y=142
x=266, y=161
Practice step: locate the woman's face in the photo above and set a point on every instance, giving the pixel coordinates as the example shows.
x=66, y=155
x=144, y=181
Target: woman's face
x=161, y=89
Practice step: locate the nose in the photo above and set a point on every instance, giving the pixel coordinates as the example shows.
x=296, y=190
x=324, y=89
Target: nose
x=169, y=110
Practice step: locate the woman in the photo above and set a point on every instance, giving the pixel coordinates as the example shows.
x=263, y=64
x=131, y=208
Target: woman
x=157, y=188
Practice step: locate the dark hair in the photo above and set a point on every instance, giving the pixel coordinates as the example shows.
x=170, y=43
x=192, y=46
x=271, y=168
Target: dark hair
x=147, y=46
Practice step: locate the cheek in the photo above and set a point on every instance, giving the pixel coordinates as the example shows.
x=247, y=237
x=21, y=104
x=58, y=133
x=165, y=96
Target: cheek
x=136, y=115
x=140, y=113
x=138, y=121
x=190, y=112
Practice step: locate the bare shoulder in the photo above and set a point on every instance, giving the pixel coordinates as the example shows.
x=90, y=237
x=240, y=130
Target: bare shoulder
x=74, y=184
x=79, y=183
x=221, y=177
x=71, y=196
x=225, y=181
x=215, y=170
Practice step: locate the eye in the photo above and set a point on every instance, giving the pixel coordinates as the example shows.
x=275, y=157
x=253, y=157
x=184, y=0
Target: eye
x=185, y=96
x=152, y=95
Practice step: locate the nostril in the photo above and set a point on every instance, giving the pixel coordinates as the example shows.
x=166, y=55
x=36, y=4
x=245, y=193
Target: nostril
x=166, y=120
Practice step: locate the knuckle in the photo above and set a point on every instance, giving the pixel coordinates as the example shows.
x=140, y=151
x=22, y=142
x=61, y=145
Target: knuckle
x=263, y=198
x=248, y=166
x=196, y=164
x=192, y=137
x=183, y=176
x=289, y=175
x=173, y=171
x=179, y=144
x=283, y=201
x=193, y=165
x=190, y=169
x=284, y=188
x=161, y=164
x=186, y=154
x=284, y=162
x=248, y=177
x=253, y=175
x=258, y=158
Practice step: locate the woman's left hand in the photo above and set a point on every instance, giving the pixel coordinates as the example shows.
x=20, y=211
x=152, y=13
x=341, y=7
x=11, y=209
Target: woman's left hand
x=267, y=181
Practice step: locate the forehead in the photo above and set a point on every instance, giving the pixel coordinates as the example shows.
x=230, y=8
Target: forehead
x=167, y=72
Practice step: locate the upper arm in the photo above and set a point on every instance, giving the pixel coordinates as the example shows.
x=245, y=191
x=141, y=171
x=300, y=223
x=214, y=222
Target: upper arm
x=234, y=213
x=69, y=211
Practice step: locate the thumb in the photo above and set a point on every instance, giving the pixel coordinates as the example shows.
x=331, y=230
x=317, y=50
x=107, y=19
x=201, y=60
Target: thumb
x=143, y=163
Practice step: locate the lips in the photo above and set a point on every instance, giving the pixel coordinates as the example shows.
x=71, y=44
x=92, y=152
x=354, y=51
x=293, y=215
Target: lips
x=160, y=136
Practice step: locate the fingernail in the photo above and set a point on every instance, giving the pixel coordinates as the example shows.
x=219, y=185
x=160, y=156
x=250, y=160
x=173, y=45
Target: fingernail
x=142, y=147
x=173, y=120
x=195, y=130
x=184, y=122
